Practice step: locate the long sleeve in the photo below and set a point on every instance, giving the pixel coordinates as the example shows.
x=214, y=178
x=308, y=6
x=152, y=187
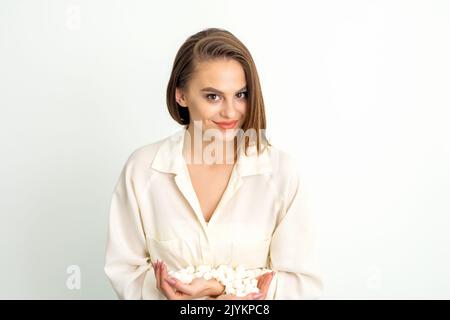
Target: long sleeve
x=292, y=252
x=127, y=257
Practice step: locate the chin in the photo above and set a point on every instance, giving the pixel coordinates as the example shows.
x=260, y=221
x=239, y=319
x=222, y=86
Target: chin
x=228, y=135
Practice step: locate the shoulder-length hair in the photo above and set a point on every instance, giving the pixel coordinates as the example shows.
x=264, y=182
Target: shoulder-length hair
x=209, y=44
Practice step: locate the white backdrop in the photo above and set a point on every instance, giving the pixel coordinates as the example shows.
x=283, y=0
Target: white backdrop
x=357, y=91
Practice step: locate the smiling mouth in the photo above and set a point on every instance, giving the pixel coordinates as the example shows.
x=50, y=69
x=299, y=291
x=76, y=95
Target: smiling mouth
x=227, y=124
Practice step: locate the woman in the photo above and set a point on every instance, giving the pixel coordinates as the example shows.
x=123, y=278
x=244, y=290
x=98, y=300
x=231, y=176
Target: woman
x=215, y=193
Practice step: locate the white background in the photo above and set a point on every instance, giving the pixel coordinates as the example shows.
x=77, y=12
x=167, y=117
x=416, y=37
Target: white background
x=357, y=91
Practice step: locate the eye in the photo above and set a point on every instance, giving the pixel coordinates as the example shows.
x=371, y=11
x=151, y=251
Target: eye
x=243, y=94
x=212, y=97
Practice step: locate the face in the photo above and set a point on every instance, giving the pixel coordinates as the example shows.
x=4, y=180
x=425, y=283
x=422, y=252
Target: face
x=216, y=97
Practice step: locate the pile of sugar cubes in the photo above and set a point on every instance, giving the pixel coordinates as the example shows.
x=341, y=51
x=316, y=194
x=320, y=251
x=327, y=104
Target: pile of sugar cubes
x=237, y=281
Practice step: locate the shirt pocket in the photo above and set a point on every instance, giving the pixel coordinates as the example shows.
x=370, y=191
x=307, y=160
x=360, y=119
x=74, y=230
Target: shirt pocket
x=172, y=252
x=251, y=254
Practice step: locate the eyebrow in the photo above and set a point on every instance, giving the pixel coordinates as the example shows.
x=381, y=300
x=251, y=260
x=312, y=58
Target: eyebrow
x=211, y=89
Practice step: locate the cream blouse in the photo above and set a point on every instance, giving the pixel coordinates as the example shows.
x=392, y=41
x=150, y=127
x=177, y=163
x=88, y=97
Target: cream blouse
x=259, y=222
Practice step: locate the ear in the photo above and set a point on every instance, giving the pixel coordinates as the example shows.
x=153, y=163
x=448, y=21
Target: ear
x=180, y=97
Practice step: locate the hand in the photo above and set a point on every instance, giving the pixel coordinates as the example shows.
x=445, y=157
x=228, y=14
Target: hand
x=263, y=285
x=174, y=289
x=264, y=281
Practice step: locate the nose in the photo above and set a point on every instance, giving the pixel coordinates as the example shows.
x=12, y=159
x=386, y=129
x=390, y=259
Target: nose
x=228, y=110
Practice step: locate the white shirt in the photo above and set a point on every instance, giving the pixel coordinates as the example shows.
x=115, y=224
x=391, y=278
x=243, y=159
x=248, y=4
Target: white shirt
x=259, y=222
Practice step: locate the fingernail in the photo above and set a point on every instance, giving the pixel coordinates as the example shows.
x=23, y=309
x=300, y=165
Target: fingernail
x=257, y=295
x=171, y=281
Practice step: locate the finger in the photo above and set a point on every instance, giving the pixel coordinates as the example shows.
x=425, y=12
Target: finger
x=261, y=286
x=269, y=279
x=266, y=281
x=158, y=282
x=160, y=274
x=266, y=285
x=155, y=266
x=169, y=292
x=180, y=286
x=258, y=284
x=251, y=296
x=160, y=277
x=155, y=269
x=261, y=281
x=197, y=288
x=262, y=290
x=261, y=276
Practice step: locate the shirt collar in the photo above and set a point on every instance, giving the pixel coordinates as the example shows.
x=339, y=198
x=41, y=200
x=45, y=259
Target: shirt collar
x=169, y=157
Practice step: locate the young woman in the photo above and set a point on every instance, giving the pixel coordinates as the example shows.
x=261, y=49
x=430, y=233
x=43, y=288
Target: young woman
x=214, y=193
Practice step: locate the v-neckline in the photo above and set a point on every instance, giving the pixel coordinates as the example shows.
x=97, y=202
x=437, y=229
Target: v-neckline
x=183, y=180
x=185, y=185
x=222, y=196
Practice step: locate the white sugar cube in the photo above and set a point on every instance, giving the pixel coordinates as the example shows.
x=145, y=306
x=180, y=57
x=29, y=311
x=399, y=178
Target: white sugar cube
x=190, y=269
x=222, y=267
x=229, y=278
x=241, y=272
x=207, y=276
x=221, y=278
x=182, y=271
x=230, y=290
x=227, y=282
x=252, y=289
x=203, y=268
x=185, y=278
x=237, y=281
x=240, y=293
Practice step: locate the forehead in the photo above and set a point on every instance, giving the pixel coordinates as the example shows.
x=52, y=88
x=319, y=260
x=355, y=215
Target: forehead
x=225, y=75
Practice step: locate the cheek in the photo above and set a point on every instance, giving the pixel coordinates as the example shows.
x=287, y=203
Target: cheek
x=208, y=110
x=198, y=108
x=204, y=111
x=242, y=108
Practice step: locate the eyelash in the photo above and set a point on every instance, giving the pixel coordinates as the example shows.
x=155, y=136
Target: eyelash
x=213, y=94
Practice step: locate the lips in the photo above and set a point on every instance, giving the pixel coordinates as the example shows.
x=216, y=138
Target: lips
x=227, y=124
